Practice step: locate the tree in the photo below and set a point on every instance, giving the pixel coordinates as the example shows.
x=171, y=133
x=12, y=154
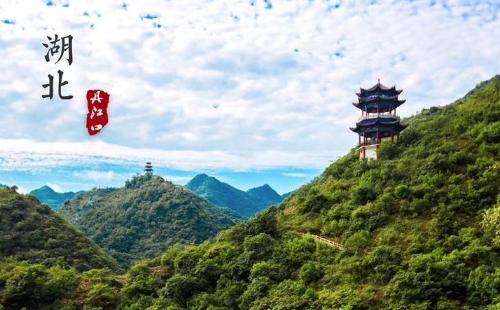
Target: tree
x=310, y=272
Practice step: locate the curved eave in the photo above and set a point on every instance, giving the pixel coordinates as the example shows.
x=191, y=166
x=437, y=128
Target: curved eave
x=375, y=88
x=387, y=119
x=395, y=103
x=379, y=125
x=377, y=121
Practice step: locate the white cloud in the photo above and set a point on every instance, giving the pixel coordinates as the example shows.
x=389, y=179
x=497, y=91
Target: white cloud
x=177, y=179
x=296, y=175
x=284, y=78
x=22, y=190
x=96, y=175
x=55, y=187
x=25, y=155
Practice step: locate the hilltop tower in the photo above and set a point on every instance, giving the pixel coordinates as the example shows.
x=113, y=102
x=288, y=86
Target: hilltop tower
x=378, y=118
x=148, y=168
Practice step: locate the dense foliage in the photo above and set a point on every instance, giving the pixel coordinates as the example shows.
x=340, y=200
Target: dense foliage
x=144, y=218
x=33, y=232
x=420, y=230
x=247, y=204
x=36, y=286
x=51, y=198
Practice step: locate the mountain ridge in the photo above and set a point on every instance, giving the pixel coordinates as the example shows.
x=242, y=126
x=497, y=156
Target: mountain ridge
x=52, y=198
x=32, y=231
x=145, y=217
x=246, y=203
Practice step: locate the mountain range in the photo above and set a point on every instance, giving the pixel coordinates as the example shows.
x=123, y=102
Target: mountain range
x=145, y=217
x=247, y=204
x=53, y=199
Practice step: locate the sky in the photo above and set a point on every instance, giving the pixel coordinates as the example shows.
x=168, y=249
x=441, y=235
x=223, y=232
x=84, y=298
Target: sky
x=251, y=91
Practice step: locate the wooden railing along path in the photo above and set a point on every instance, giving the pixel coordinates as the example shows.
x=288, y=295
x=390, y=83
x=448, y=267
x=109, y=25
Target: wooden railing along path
x=321, y=239
x=326, y=241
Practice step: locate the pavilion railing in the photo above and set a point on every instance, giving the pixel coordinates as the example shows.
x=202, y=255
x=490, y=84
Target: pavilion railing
x=367, y=145
x=378, y=115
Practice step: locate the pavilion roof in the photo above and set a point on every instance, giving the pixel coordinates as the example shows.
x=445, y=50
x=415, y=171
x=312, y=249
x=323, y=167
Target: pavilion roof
x=378, y=87
x=377, y=121
x=378, y=102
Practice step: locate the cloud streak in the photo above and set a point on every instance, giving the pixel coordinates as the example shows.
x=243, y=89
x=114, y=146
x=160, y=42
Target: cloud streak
x=25, y=155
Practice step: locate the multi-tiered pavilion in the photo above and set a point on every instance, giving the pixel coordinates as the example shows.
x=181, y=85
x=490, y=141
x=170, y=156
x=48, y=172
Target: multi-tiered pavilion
x=378, y=119
x=148, y=168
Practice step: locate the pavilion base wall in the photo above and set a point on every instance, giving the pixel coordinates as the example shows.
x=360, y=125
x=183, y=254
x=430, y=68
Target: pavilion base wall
x=368, y=152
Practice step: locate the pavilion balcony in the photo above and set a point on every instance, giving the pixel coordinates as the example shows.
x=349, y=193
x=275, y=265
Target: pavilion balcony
x=368, y=151
x=378, y=115
x=368, y=144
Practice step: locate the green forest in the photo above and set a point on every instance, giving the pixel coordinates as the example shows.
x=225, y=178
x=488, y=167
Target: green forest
x=145, y=217
x=417, y=229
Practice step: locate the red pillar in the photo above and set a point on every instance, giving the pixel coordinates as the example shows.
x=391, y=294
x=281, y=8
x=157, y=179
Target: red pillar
x=392, y=135
x=364, y=147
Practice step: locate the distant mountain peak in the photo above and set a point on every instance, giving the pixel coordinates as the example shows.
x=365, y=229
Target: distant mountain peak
x=52, y=198
x=265, y=193
x=201, y=179
x=265, y=187
x=46, y=187
x=247, y=203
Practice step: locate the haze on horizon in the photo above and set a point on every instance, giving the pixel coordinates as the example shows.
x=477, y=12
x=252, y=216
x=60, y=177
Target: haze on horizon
x=251, y=92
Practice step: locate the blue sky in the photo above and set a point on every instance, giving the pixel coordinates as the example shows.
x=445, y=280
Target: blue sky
x=249, y=91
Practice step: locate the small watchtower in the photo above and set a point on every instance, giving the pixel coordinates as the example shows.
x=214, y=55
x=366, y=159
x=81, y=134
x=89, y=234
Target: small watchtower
x=148, y=168
x=378, y=118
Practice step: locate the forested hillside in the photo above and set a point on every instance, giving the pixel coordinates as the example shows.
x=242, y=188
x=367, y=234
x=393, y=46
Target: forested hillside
x=33, y=232
x=417, y=229
x=145, y=217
